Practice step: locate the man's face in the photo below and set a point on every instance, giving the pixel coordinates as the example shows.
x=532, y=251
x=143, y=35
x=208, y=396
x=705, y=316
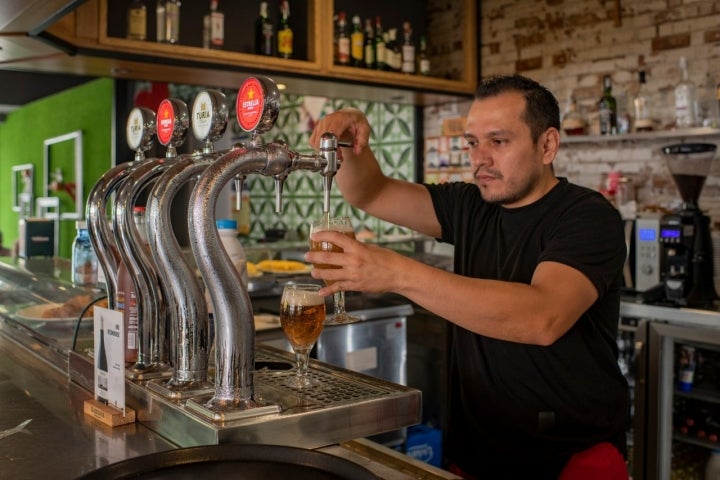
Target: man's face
x=507, y=163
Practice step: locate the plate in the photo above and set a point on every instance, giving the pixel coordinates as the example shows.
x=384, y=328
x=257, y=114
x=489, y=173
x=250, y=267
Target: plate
x=284, y=267
x=35, y=313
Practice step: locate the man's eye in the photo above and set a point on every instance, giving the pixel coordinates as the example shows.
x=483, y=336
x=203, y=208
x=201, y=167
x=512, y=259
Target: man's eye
x=471, y=143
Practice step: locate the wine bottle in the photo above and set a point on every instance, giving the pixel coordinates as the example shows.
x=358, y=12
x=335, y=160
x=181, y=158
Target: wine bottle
x=607, y=108
x=641, y=106
x=357, y=43
x=264, y=32
x=102, y=365
x=423, y=59
x=284, y=32
x=369, y=51
x=168, y=13
x=343, y=41
x=214, y=27
x=137, y=20
x=380, y=50
x=408, y=50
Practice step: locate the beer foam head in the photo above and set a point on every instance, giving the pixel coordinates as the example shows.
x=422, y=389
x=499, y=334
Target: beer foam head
x=303, y=294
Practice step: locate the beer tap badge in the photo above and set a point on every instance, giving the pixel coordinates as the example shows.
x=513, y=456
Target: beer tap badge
x=250, y=104
x=135, y=129
x=202, y=116
x=165, y=122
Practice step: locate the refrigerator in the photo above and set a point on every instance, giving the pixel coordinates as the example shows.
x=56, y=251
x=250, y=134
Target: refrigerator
x=676, y=422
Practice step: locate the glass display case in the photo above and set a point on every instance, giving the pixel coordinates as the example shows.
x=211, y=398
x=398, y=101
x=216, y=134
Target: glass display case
x=41, y=309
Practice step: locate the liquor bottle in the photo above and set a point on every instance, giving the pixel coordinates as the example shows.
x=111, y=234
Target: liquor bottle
x=393, y=55
x=160, y=33
x=284, y=32
x=343, y=41
x=137, y=20
x=172, y=21
x=641, y=106
x=573, y=122
x=408, y=50
x=608, y=109
x=264, y=32
x=380, y=50
x=685, y=114
x=214, y=27
x=357, y=43
x=102, y=365
x=423, y=59
x=369, y=52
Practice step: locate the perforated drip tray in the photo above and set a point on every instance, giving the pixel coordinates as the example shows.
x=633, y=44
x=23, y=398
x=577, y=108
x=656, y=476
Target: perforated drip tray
x=346, y=405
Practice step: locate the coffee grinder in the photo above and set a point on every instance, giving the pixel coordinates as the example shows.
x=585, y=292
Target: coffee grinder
x=687, y=257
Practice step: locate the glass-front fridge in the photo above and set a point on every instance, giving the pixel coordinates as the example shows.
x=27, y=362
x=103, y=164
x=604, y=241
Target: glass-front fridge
x=677, y=397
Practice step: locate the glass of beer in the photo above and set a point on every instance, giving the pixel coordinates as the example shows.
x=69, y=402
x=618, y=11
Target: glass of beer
x=302, y=316
x=343, y=225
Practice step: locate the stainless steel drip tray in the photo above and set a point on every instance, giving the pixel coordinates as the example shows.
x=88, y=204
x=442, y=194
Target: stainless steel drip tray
x=346, y=405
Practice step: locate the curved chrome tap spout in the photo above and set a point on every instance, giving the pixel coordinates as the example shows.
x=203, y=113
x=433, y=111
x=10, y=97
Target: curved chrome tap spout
x=233, y=316
x=152, y=353
x=184, y=292
x=101, y=236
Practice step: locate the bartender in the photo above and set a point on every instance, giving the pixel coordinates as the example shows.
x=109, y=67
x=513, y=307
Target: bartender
x=535, y=388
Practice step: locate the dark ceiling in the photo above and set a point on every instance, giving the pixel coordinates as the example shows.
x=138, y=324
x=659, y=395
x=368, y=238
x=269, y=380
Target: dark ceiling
x=20, y=88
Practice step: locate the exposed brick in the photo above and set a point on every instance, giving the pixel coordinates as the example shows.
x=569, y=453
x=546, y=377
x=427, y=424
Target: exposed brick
x=534, y=23
x=493, y=48
x=528, y=64
x=712, y=36
x=670, y=42
x=522, y=41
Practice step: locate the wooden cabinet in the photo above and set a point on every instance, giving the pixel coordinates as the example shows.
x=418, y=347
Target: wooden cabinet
x=91, y=34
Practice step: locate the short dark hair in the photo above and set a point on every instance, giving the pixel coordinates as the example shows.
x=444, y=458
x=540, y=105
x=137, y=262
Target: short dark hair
x=541, y=106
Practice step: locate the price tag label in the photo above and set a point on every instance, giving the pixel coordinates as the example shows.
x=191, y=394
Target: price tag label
x=109, y=357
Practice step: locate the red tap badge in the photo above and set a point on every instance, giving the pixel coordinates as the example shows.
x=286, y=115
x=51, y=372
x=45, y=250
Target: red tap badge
x=165, y=122
x=250, y=104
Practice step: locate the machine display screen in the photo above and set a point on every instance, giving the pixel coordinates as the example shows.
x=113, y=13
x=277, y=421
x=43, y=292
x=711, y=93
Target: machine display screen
x=647, y=235
x=670, y=233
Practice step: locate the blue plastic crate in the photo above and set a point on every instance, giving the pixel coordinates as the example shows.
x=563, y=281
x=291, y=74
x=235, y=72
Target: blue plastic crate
x=425, y=444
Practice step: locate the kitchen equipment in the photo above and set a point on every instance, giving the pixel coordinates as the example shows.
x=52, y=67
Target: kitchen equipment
x=235, y=462
x=642, y=266
x=687, y=257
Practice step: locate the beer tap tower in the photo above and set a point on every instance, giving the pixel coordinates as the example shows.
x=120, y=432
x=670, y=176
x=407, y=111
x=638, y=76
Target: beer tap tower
x=247, y=401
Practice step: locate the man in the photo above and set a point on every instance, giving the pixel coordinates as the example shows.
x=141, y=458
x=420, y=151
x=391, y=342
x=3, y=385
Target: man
x=534, y=300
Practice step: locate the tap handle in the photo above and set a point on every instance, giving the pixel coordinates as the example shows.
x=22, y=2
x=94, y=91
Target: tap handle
x=140, y=131
x=173, y=120
x=328, y=150
x=279, y=183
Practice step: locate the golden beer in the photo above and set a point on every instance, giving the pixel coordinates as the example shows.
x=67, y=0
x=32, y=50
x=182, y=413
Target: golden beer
x=329, y=247
x=302, y=324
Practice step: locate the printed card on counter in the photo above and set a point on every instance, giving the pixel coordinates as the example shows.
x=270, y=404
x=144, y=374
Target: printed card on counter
x=109, y=357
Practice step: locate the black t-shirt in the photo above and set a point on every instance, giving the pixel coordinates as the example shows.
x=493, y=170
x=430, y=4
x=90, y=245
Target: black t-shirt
x=518, y=410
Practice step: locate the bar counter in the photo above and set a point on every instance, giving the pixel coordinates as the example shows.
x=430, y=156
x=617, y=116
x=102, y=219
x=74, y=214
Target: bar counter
x=44, y=432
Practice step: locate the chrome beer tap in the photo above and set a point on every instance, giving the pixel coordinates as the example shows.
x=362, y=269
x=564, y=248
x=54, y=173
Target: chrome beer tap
x=172, y=125
x=140, y=130
x=186, y=304
x=258, y=105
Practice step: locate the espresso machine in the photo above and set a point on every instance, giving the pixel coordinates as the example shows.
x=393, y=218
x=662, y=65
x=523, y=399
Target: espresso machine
x=686, y=245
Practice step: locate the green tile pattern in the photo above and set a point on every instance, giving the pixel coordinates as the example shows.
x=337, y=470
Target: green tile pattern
x=393, y=141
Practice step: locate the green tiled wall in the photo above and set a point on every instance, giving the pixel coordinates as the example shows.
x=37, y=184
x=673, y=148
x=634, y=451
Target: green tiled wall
x=392, y=141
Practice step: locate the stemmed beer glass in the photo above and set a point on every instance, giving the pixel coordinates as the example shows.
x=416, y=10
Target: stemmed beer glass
x=343, y=225
x=302, y=316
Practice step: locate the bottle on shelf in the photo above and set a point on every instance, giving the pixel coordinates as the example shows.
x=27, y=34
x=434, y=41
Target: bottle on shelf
x=343, y=41
x=607, y=108
x=423, y=58
x=264, y=32
x=168, y=21
x=284, y=32
x=84, y=260
x=214, y=27
x=357, y=43
x=641, y=106
x=369, y=52
x=685, y=112
x=408, y=50
x=160, y=21
x=380, y=50
x=573, y=122
x=393, y=54
x=712, y=468
x=137, y=20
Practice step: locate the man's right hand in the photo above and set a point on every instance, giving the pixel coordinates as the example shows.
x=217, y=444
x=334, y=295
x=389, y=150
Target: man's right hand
x=349, y=125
